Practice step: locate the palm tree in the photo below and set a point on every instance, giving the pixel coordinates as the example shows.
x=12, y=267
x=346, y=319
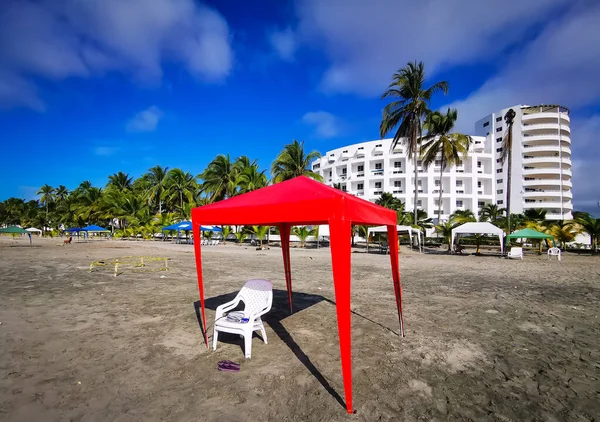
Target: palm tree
x=220, y=178
x=120, y=181
x=535, y=214
x=302, y=233
x=61, y=193
x=563, y=231
x=260, y=232
x=387, y=200
x=180, y=185
x=157, y=176
x=47, y=193
x=90, y=207
x=450, y=147
x=241, y=235
x=491, y=213
x=293, y=162
x=445, y=230
x=462, y=216
x=506, y=156
x=406, y=112
x=250, y=178
x=226, y=231
x=591, y=226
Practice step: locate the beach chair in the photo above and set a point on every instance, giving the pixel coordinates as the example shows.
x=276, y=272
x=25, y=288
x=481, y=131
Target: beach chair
x=515, y=253
x=257, y=296
x=458, y=249
x=217, y=242
x=384, y=248
x=555, y=252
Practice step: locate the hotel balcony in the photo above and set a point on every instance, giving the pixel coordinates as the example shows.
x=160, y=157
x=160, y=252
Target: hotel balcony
x=532, y=159
x=530, y=148
x=377, y=151
x=546, y=182
x=547, y=204
x=398, y=149
x=543, y=193
x=546, y=170
x=547, y=127
x=396, y=171
x=331, y=158
x=345, y=156
x=360, y=193
x=548, y=115
x=360, y=153
x=377, y=173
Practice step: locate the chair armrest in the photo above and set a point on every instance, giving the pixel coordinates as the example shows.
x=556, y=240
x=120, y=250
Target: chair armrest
x=221, y=309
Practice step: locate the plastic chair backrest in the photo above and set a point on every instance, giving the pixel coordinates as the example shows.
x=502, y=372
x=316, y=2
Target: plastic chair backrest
x=257, y=296
x=516, y=251
x=554, y=251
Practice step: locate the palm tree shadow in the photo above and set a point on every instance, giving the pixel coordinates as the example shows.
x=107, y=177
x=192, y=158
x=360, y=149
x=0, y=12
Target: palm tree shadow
x=280, y=311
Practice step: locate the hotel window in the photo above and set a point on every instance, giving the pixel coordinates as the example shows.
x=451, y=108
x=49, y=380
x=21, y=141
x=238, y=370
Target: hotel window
x=361, y=168
x=459, y=183
x=419, y=203
x=499, y=180
x=419, y=163
x=459, y=163
x=397, y=164
x=397, y=183
x=479, y=184
x=478, y=164
x=498, y=149
x=499, y=139
x=498, y=170
x=486, y=124
x=499, y=191
x=360, y=186
x=329, y=173
x=438, y=163
x=359, y=148
x=420, y=183
x=378, y=145
x=344, y=171
x=459, y=203
x=481, y=204
x=345, y=150
x=500, y=202
x=437, y=182
x=499, y=119
x=344, y=188
x=499, y=129
x=378, y=166
x=377, y=185
x=498, y=160
x=316, y=166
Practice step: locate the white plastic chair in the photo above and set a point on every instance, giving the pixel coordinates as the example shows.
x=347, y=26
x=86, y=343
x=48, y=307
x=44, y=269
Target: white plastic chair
x=555, y=252
x=515, y=253
x=257, y=296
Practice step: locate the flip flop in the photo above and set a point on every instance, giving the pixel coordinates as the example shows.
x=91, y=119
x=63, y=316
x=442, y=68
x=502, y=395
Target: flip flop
x=228, y=366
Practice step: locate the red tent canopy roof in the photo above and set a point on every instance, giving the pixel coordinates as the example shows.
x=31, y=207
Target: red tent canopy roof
x=299, y=201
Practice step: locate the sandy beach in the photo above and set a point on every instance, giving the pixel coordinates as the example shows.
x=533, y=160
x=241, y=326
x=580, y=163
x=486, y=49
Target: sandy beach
x=486, y=338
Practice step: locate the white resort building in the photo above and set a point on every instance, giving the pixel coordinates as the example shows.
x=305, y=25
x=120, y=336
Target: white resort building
x=541, y=168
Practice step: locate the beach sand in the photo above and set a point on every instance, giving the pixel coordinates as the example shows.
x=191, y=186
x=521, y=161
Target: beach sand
x=486, y=338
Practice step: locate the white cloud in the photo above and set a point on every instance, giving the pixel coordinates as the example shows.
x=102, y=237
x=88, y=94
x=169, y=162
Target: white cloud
x=145, y=121
x=54, y=40
x=105, y=151
x=325, y=124
x=284, y=43
x=366, y=44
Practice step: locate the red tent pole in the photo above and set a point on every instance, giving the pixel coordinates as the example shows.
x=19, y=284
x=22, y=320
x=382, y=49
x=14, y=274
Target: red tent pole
x=197, y=241
x=340, y=244
x=393, y=243
x=284, y=233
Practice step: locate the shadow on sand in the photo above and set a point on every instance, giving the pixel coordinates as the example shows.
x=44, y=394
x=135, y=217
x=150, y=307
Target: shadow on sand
x=280, y=311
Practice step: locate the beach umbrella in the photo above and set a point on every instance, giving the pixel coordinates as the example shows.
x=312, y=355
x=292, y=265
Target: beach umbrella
x=16, y=230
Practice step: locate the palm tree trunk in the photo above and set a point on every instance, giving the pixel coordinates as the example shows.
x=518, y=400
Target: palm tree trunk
x=508, y=181
x=159, y=202
x=414, y=144
x=441, y=189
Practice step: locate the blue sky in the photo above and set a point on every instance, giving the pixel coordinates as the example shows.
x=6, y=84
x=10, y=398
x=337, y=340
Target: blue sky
x=91, y=88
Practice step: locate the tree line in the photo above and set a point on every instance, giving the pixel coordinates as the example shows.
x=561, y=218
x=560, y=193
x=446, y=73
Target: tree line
x=161, y=196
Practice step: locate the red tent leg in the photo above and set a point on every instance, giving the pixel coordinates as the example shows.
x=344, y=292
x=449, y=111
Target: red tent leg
x=393, y=243
x=340, y=235
x=284, y=232
x=197, y=238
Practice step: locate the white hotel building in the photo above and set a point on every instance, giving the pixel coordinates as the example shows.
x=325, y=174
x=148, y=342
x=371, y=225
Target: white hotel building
x=541, y=168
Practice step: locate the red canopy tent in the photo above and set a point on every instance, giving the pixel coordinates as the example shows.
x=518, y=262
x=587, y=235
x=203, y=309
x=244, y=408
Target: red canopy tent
x=303, y=201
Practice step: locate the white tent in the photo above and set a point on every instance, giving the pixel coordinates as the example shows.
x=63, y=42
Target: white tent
x=479, y=228
x=401, y=230
x=33, y=230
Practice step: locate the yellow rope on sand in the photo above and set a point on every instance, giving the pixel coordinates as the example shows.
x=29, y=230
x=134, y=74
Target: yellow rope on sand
x=140, y=263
